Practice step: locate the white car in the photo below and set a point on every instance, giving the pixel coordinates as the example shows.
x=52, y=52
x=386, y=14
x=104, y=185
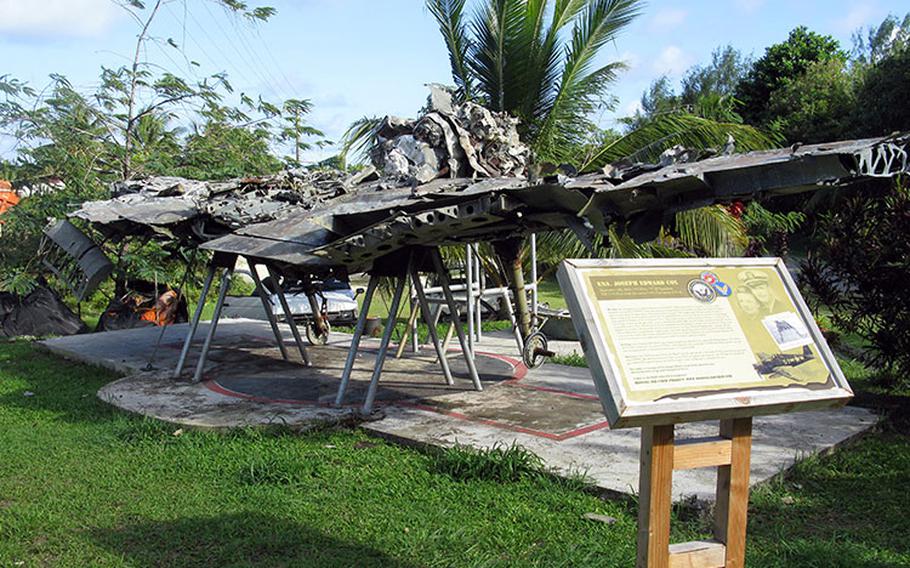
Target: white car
x=336, y=299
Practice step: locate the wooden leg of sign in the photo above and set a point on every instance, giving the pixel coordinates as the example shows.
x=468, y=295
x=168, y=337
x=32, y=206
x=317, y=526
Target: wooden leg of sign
x=655, y=496
x=733, y=491
x=661, y=454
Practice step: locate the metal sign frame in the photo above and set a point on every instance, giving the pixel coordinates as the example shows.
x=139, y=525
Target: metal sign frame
x=622, y=412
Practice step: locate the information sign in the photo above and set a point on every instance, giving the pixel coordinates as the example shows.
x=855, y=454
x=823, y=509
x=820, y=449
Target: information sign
x=677, y=340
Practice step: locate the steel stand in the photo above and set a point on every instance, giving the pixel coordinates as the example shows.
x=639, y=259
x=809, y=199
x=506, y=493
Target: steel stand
x=355, y=341
x=453, y=313
x=289, y=316
x=195, y=322
x=269, y=312
x=386, y=338
x=431, y=326
x=219, y=305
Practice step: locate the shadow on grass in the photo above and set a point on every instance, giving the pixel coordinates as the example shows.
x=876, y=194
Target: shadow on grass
x=239, y=539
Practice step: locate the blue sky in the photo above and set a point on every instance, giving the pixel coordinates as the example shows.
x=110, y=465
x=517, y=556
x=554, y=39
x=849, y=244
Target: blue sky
x=372, y=57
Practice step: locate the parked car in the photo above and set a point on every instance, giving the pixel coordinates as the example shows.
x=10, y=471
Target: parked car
x=337, y=300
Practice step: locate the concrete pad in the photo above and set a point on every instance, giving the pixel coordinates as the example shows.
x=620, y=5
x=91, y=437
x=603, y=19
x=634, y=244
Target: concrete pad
x=553, y=411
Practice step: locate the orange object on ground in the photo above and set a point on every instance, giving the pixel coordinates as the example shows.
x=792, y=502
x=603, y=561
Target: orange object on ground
x=8, y=197
x=164, y=312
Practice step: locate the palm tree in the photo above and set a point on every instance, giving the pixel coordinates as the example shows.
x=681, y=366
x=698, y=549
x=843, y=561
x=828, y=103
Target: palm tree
x=537, y=60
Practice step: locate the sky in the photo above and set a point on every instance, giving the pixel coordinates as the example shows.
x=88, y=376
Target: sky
x=357, y=58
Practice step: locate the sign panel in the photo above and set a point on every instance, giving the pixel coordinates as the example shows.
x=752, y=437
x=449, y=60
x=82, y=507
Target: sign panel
x=675, y=340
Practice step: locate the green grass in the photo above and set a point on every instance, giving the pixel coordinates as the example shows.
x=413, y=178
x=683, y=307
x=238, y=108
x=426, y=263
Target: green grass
x=82, y=484
x=549, y=293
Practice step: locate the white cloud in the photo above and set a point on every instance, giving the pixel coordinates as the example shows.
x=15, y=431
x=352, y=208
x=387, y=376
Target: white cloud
x=632, y=60
x=672, y=61
x=858, y=16
x=750, y=6
x=668, y=18
x=57, y=18
x=633, y=107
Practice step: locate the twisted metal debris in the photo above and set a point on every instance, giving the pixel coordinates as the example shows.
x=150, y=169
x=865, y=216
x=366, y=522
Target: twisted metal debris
x=458, y=174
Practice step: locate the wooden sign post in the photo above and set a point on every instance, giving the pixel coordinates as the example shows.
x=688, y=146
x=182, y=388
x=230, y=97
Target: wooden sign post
x=661, y=455
x=678, y=340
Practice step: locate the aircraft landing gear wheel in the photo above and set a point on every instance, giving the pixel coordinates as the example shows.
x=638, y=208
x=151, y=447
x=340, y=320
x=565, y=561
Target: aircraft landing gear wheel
x=535, y=352
x=315, y=339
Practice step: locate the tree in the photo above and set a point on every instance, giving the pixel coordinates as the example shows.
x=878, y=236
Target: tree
x=884, y=40
x=535, y=59
x=818, y=106
x=123, y=128
x=721, y=77
x=882, y=98
x=221, y=149
x=293, y=129
x=781, y=64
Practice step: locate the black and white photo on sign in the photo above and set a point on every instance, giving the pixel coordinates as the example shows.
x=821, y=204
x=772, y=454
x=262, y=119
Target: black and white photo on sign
x=787, y=330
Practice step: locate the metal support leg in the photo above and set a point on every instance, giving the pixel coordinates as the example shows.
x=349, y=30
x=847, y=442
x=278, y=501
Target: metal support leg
x=518, y=339
x=478, y=313
x=355, y=341
x=535, y=294
x=289, y=317
x=219, y=305
x=431, y=327
x=316, y=309
x=469, y=294
x=449, y=333
x=384, y=344
x=453, y=311
x=269, y=312
x=412, y=325
x=206, y=286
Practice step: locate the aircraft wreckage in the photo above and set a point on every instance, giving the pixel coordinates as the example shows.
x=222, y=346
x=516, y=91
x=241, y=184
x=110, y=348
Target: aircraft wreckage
x=458, y=174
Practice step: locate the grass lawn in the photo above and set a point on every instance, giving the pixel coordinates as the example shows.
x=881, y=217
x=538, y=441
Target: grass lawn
x=82, y=484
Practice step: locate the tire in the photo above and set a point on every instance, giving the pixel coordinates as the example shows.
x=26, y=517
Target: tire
x=529, y=356
x=318, y=339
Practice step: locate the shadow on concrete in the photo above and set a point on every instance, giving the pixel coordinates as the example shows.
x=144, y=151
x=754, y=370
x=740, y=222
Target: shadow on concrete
x=258, y=373
x=237, y=539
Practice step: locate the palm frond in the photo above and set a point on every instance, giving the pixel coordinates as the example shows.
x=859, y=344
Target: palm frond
x=359, y=139
x=624, y=246
x=712, y=231
x=667, y=130
x=497, y=55
x=580, y=91
x=449, y=16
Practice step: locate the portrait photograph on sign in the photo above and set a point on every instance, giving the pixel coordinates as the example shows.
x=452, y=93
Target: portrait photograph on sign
x=688, y=339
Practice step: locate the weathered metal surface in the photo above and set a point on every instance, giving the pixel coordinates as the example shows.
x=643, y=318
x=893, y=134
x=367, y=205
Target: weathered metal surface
x=460, y=174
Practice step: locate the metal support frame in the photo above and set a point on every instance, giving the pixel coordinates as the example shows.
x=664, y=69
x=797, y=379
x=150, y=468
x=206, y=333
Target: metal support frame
x=410, y=330
x=219, y=306
x=194, y=324
x=415, y=340
x=288, y=316
x=535, y=296
x=515, y=331
x=355, y=341
x=386, y=338
x=481, y=283
x=431, y=326
x=453, y=313
x=269, y=312
x=469, y=294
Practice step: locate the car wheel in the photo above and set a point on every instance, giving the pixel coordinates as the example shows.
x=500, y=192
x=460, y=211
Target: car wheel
x=315, y=339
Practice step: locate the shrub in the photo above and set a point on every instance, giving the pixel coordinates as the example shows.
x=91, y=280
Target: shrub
x=861, y=270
